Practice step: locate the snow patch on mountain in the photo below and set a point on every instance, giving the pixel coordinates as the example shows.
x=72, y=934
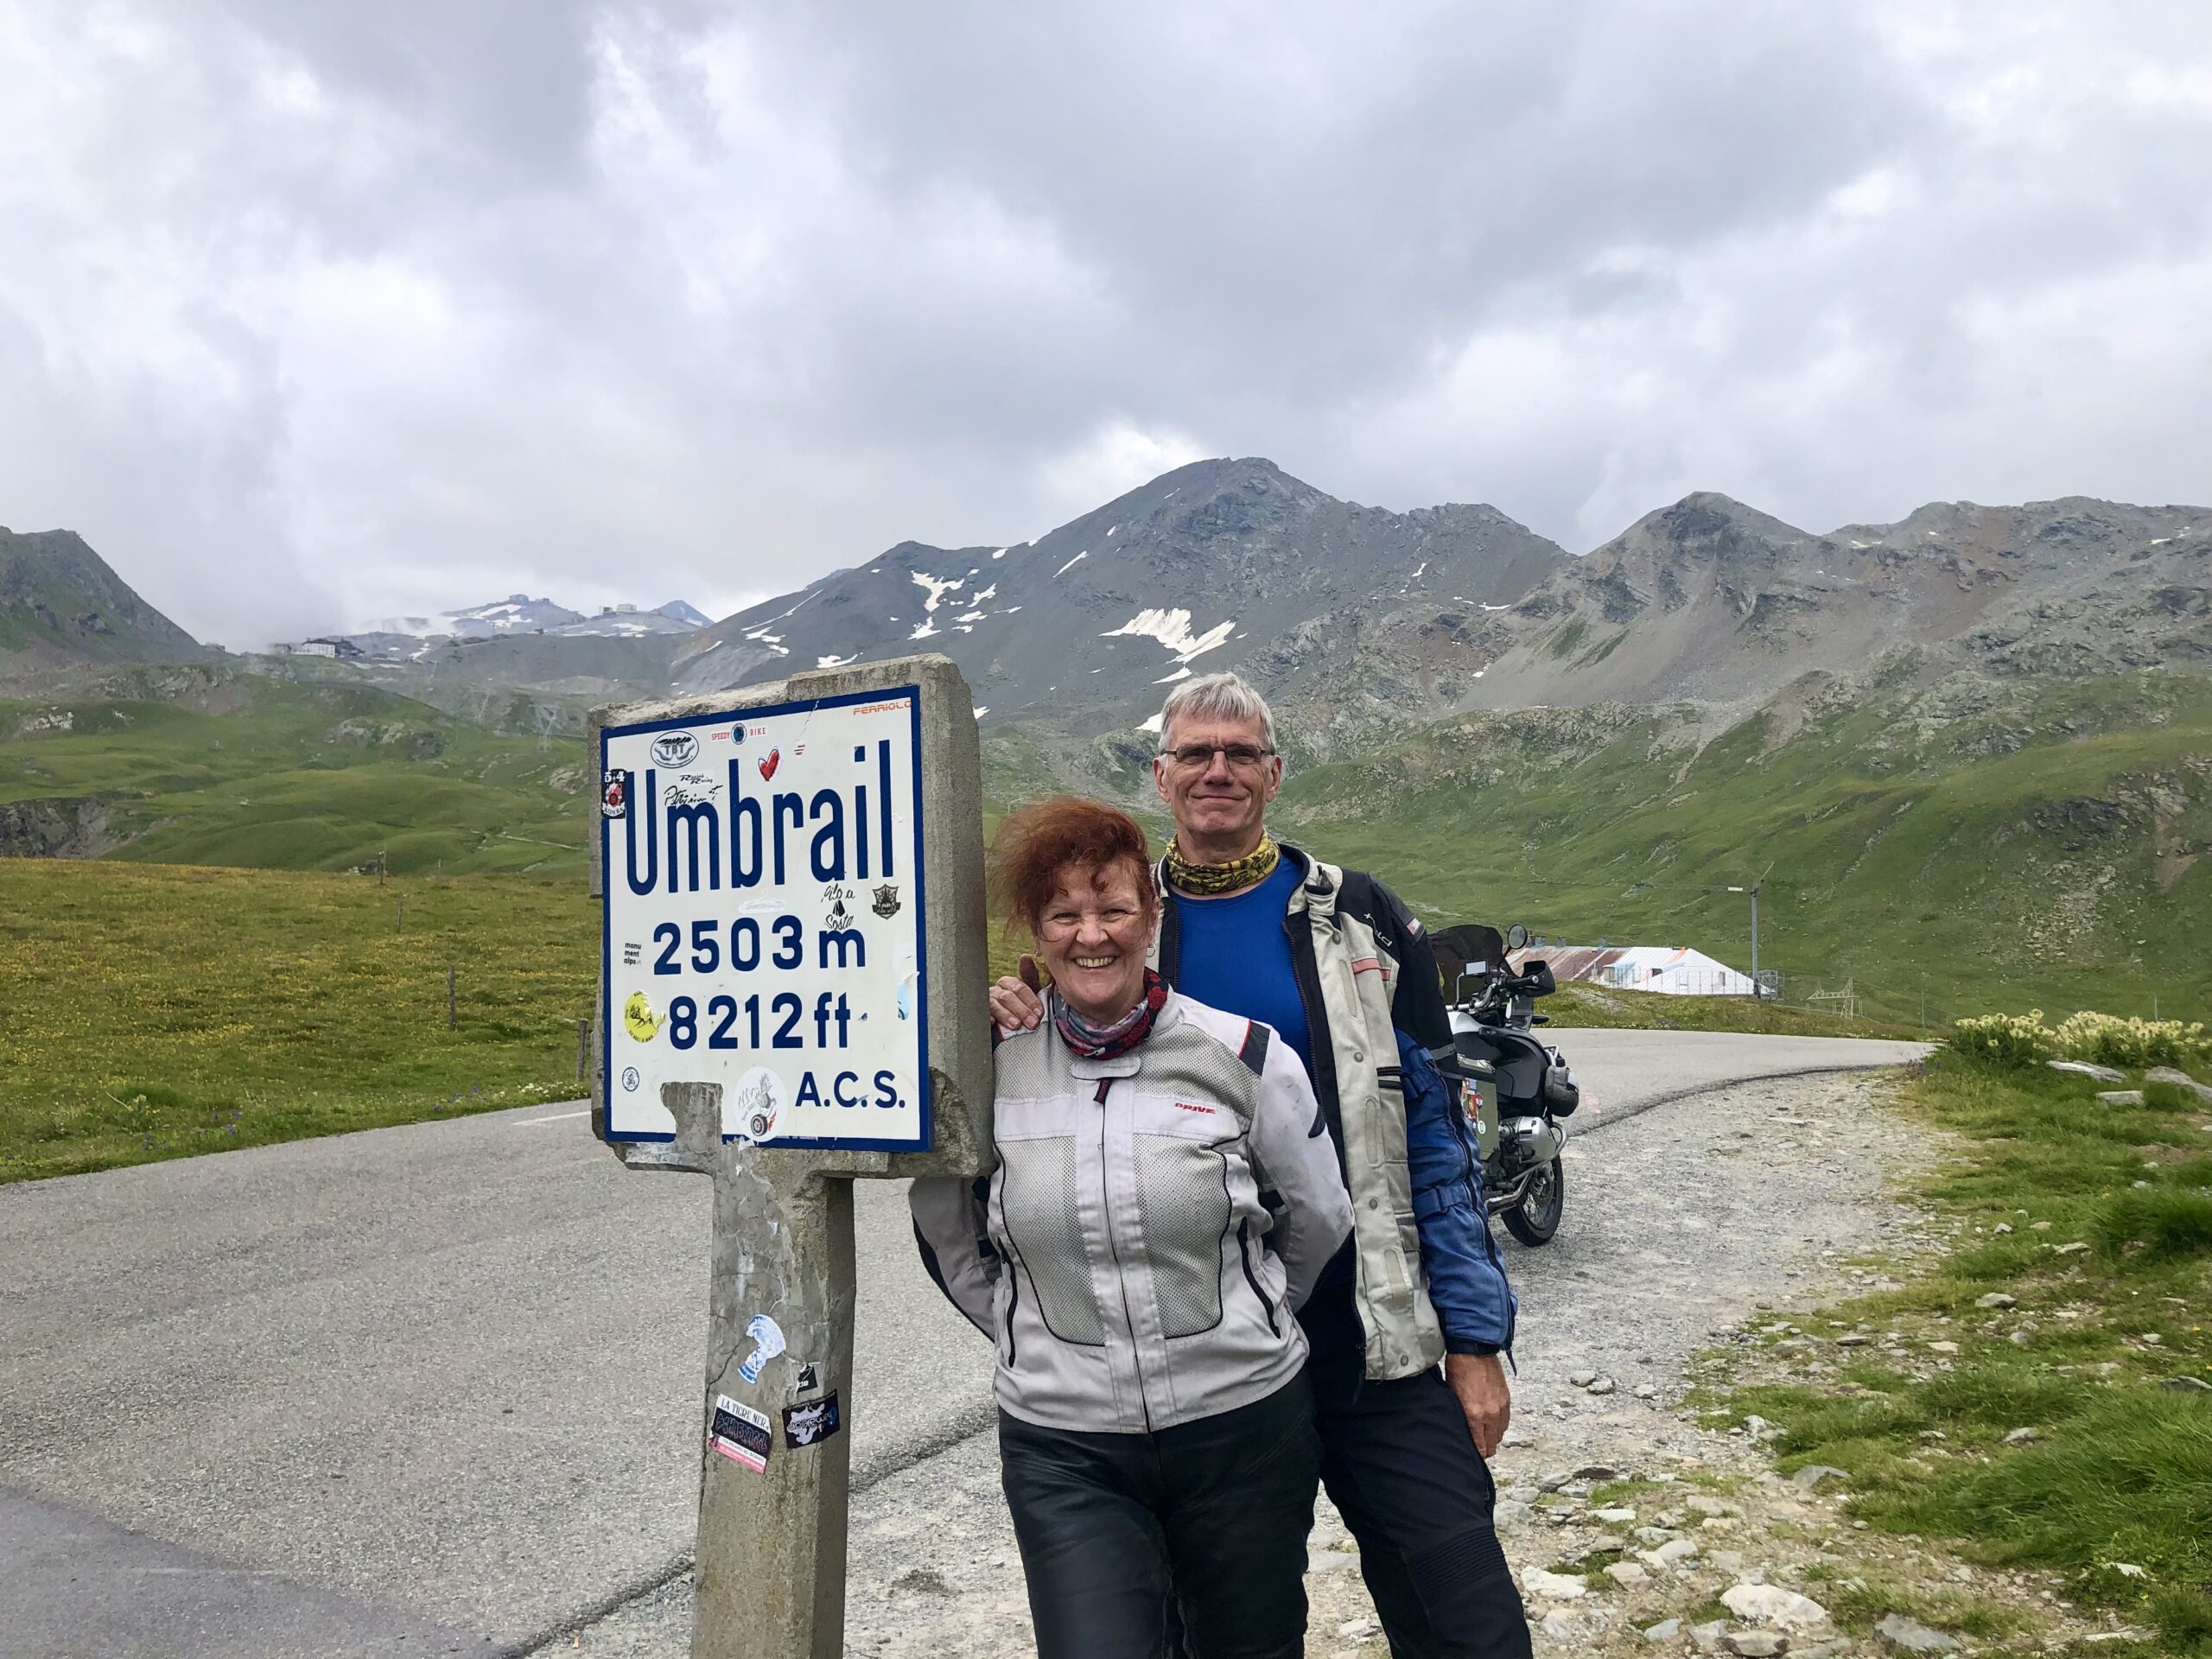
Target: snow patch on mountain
x=1172, y=630
x=937, y=590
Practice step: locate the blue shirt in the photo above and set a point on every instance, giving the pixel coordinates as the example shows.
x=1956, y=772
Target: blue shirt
x=1234, y=956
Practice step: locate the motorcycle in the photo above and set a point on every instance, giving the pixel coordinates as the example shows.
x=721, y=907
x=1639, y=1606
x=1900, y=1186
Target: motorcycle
x=1517, y=1093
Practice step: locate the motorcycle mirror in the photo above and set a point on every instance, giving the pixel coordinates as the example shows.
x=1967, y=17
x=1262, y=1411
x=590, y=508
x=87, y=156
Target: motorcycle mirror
x=1517, y=937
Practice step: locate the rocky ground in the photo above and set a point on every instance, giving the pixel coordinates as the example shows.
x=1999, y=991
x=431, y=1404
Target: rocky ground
x=1632, y=1528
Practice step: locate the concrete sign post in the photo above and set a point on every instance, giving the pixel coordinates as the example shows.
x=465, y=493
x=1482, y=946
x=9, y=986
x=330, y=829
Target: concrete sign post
x=792, y=996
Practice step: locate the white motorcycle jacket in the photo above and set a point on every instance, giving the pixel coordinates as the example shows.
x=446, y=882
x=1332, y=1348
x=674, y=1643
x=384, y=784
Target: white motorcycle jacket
x=1153, y=1225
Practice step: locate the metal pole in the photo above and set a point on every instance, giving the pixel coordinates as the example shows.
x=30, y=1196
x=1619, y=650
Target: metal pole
x=1755, y=991
x=583, y=1047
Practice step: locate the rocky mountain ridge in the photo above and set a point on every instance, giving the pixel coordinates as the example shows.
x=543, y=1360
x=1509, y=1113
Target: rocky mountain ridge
x=1219, y=563
x=411, y=638
x=1360, y=621
x=1712, y=599
x=61, y=603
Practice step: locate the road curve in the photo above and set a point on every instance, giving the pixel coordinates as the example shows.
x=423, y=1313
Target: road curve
x=441, y=1381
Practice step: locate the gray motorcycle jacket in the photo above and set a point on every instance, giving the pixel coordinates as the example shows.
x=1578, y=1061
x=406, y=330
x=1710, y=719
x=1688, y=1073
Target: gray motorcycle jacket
x=1365, y=971
x=1154, y=1221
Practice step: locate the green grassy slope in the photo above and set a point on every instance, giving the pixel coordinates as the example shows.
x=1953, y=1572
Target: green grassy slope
x=150, y=1011
x=2073, y=1429
x=1992, y=844
x=278, y=775
x=2031, y=842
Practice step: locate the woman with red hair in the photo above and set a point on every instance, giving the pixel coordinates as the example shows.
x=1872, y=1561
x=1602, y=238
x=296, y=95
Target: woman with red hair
x=1166, y=1194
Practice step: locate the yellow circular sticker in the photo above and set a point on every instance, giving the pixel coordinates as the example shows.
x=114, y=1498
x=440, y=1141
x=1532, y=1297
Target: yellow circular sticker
x=637, y=1014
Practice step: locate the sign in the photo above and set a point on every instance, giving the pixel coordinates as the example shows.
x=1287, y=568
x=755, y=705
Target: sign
x=764, y=921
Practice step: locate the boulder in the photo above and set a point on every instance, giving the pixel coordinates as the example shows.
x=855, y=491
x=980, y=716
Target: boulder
x=2120, y=1097
x=2083, y=1069
x=1996, y=1298
x=1665, y=1630
x=1769, y=1604
x=1909, y=1635
x=2186, y=1385
x=1755, y=1644
x=1812, y=1474
x=1671, y=1553
x=2179, y=1079
x=1553, y=1587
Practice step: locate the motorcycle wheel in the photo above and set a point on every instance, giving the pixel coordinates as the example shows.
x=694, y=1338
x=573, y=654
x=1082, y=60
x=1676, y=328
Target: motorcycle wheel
x=1536, y=1217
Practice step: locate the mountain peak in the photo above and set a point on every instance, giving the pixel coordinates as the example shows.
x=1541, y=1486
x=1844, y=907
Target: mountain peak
x=59, y=601
x=1707, y=527
x=1227, y=562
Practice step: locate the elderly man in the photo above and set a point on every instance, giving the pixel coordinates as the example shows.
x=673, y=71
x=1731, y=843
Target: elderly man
x=1335, y=963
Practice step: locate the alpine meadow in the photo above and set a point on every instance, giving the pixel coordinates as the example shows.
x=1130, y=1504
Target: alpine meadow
x=1966, y=757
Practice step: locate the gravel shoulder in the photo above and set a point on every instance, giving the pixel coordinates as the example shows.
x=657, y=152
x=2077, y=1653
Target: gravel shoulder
x=1682, y=1225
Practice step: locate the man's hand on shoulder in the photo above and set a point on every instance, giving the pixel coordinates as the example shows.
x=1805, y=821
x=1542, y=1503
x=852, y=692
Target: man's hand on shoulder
x=1017, y=1004
x=1479, y=1382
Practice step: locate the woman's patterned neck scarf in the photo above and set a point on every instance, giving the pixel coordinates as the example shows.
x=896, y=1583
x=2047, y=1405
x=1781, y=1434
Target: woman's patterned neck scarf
x=1211, y=880
x=1094, y=1041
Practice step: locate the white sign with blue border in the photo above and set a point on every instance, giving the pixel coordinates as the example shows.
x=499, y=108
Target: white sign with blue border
x=763, y=926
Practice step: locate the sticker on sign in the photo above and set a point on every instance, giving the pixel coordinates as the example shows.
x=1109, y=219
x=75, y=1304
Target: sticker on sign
x=770, y=858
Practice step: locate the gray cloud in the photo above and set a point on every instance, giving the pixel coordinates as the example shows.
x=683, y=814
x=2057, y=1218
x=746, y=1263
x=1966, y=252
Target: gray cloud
x=310, y=312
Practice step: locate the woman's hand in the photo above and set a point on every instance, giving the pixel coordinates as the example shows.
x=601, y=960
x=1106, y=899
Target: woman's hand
x=1016, y=1004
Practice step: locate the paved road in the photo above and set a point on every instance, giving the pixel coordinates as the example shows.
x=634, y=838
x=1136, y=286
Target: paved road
x=435, y=1388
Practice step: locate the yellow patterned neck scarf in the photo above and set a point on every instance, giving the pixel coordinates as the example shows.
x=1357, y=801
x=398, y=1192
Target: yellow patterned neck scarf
x=1211, y=880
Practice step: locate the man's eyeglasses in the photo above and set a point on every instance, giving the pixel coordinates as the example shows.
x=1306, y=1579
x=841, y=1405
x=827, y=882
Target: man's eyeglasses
x=1243, y=757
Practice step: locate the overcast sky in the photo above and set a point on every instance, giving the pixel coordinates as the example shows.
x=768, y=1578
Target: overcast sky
x=315, y=310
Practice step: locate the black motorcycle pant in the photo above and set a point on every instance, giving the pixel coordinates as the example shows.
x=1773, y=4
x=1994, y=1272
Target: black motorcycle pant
x=1401, y=1466
x=1211, y=1515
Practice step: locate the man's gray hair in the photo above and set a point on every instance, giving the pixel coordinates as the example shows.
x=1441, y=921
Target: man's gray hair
x=1216, y=697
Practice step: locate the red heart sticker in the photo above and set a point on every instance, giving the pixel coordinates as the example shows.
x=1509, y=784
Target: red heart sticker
x=769, y=762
